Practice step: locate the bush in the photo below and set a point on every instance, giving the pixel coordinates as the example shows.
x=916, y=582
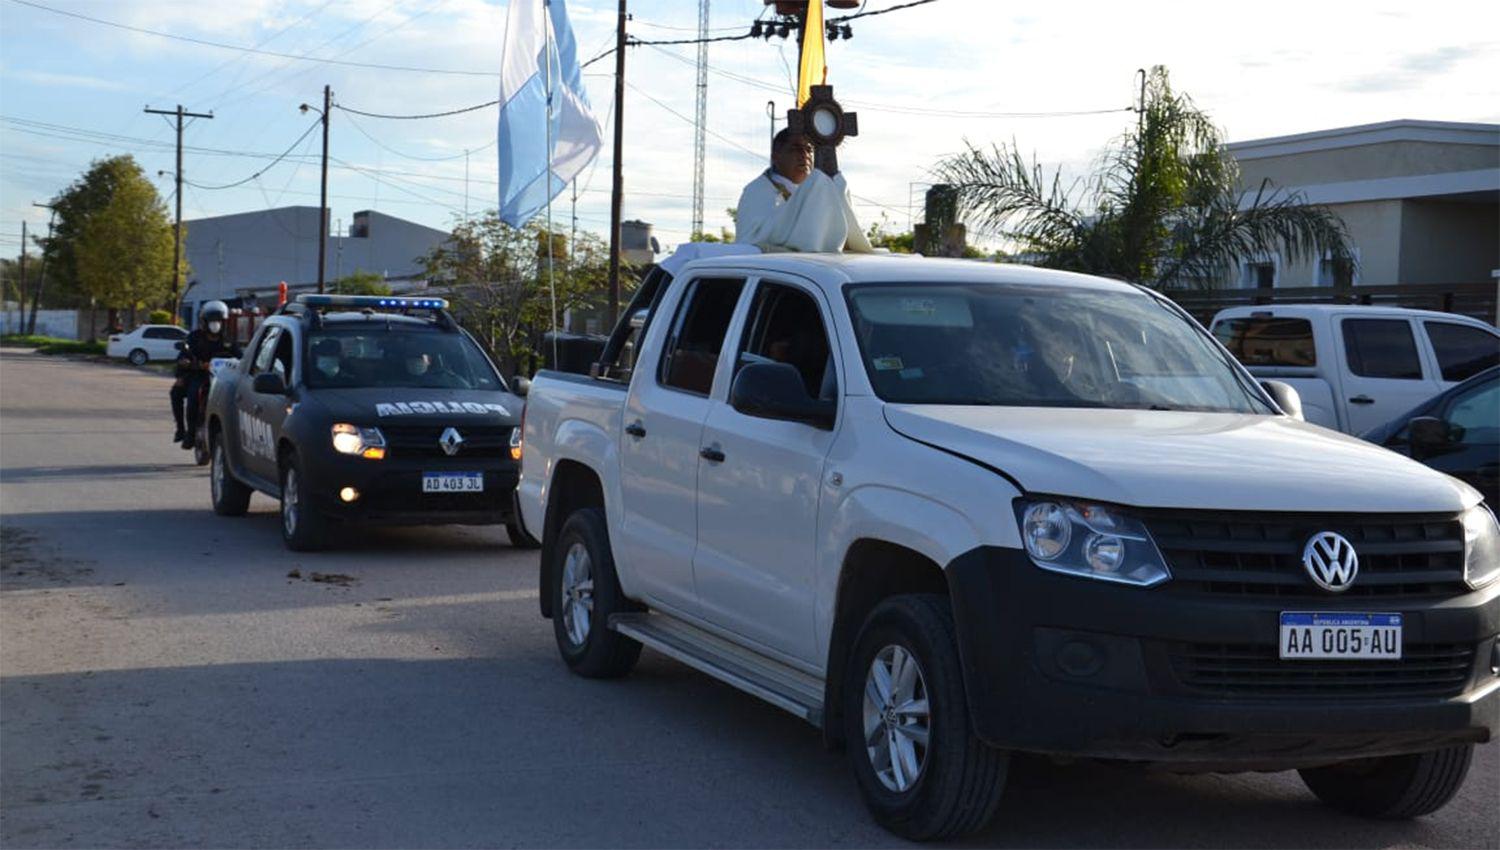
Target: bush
x=160, y=317
x=52, y=344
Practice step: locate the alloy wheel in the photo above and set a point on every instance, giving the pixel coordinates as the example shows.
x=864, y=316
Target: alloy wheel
x=577, y=594
x=897, y=718
x=289, y=503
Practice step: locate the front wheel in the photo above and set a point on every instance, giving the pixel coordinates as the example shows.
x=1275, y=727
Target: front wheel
x=1392, y=787
x=303, y=529
x=922, y=771
x=231, y=498
x=585, y=593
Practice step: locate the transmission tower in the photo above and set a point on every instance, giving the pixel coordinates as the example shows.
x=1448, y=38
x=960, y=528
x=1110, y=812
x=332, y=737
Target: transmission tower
x=700, y=118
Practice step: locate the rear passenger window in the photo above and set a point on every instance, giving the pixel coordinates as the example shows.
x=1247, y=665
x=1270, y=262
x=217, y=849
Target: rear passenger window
x=1381, y=348
x=1268, y=341
x=692, y=350
x=1463, y=351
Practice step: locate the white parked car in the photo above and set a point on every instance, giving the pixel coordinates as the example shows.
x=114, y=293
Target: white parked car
x=145, y=343
x=947, y=511
x=1357, y=367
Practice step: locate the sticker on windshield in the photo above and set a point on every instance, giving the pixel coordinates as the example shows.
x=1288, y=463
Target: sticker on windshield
x=887, y=364
x=921, y=306
x=419, y=408
x=911, y=374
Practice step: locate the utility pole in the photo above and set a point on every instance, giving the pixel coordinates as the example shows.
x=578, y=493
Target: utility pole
x=771, y=113
x=701, y=121
x=323, y=190
x=177, y=175
x=36, y=297
x=618, y=190
x=21, y=283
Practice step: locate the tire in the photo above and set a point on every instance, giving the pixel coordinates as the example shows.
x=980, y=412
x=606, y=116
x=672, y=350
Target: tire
x=585, y=593
x=958, y=778
x=519, y=539
x=138, y=357
x=1392, y=787
x=303, y=529
x=230, y=496
x=202, y=453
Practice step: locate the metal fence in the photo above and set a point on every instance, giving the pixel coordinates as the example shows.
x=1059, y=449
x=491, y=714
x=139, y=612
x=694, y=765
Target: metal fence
x=1478, y=300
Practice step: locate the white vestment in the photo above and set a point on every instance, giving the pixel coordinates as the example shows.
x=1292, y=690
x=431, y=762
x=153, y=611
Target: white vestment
x=776, y=214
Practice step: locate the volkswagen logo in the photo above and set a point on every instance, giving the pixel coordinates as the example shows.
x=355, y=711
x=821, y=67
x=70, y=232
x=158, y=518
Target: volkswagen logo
x=452, y=441
x=1331, y=561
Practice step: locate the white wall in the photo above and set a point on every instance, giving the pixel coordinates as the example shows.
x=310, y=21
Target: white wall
x=59, y=323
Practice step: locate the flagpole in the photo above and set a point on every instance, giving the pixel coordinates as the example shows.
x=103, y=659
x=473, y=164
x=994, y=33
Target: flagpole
x=551, y=285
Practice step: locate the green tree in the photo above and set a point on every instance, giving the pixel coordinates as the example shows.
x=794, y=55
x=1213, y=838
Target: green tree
x=74, y=206
x=1165, y=205
x=496, y=276
x=362, y=283
x=123, y=252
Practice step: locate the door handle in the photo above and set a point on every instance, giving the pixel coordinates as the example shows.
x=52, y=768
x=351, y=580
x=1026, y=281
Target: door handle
x=1361, y=399
x=712, y=454
x=636, y=429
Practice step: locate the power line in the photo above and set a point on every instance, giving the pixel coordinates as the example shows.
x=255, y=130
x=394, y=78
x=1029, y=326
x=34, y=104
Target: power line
x=871, y=14
x=476, y=107
x=260, y=52
x=388, y=149
x=272, y=164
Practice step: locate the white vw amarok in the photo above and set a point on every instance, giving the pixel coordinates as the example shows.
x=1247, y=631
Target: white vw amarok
x=947, y=511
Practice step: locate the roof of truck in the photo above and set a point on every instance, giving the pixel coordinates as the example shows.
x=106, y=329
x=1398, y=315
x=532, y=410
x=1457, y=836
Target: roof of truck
x=1309, y=310
x=838, y=269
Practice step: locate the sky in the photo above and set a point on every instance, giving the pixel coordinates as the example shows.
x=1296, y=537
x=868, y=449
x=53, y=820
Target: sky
x=924, y=81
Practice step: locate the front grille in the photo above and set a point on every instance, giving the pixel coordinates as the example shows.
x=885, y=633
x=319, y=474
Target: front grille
x=1254, y=670
x=1255, y=554
x=422, y=440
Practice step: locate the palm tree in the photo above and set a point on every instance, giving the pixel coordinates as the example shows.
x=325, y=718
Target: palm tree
x=1164, y=207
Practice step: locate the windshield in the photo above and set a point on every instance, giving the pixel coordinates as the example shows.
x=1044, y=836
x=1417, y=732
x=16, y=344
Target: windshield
x=413, y=356
x=1000, y=344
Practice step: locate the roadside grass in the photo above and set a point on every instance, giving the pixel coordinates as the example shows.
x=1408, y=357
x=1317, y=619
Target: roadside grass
x=52, y=344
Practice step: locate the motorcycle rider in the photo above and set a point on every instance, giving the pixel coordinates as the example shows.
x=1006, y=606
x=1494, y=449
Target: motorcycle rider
x=202, y=346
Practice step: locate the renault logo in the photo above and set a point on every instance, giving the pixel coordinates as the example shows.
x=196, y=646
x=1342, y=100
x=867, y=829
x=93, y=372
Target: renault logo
x=1331, y=561
x=451, y=441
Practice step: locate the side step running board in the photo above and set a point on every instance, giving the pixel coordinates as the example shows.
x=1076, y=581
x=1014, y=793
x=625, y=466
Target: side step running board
x=776, y=683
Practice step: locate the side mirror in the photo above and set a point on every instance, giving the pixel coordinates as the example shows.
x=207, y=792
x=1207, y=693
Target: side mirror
x=520, y=386
x=1286, y=398
x=776, y=391
x=269, y=383
x=1428, y=435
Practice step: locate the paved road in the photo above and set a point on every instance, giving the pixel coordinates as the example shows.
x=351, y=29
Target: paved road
x=164, y=683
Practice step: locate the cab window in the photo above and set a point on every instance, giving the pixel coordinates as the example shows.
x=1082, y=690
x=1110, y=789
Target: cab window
x=691, y=353
x=1463, y=351
x=281, y=359
x=1477, y=413
x=1381, y=348
x=786, y=327
x=266, y=352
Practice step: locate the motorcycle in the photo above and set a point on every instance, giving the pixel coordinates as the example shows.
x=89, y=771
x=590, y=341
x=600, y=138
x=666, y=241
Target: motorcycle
x=201, y=454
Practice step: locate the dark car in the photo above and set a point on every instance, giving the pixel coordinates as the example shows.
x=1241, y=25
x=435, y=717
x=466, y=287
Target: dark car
x=353, y=408
x=1457, y=432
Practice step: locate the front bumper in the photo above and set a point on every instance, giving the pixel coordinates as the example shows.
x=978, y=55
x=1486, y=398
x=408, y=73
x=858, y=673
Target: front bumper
x=1071, y=666
x=390, y=490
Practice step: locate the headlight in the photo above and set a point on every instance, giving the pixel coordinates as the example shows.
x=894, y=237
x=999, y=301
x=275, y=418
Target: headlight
x=1481, y=546
x=353, y=440
x=1093, y=541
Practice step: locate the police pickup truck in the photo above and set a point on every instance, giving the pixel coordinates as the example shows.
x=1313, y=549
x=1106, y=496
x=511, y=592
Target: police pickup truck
x=365, y=408
x=948, y=511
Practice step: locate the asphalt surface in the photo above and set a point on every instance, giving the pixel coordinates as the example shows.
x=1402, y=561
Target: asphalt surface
x=165, y=683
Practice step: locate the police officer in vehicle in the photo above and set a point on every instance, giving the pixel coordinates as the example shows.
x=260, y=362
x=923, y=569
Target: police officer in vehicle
x=202, y=346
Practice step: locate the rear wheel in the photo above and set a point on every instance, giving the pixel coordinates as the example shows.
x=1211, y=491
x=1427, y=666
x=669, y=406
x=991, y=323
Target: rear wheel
x=303, y=529
x=585, y=593
x=138, y=357
x=921, y=769
x=1392, y=787
x=231, y=498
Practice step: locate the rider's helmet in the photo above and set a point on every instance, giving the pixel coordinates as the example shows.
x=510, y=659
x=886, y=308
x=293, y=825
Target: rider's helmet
x=213, y=315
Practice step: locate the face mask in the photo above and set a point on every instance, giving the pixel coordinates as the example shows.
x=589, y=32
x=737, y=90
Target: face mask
x=328, y=364
x=214, y=325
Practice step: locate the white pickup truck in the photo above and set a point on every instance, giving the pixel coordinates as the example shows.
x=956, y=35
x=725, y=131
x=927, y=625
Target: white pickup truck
x=1357, y=367
x=948, y=511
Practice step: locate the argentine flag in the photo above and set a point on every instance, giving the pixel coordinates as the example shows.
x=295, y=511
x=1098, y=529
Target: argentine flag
x=525, y=185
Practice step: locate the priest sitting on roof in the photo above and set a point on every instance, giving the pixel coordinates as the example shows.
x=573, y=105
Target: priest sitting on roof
x=792, y=206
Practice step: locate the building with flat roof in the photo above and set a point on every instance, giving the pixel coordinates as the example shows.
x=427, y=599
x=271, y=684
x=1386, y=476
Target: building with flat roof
x=232, y=256
x=1421, y=200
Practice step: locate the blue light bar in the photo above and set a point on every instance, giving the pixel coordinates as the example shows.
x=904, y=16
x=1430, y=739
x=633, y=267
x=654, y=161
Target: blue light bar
x=383, y=302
